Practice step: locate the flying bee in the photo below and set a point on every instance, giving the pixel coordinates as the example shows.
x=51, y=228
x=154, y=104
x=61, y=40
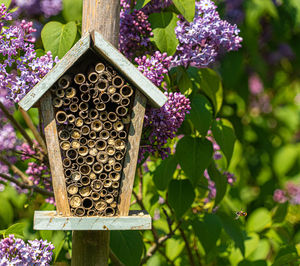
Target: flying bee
x=239, y=214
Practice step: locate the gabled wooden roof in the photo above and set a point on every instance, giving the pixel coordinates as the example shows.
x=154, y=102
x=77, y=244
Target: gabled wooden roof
x=95, y=41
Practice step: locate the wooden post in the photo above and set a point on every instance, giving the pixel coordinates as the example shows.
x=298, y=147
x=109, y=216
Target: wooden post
x=92, y=247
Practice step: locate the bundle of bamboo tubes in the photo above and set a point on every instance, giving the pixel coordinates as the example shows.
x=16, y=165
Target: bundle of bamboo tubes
x=93, y=116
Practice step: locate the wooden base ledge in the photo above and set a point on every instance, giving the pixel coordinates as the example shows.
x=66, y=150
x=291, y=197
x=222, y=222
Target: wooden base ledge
x=49, y=220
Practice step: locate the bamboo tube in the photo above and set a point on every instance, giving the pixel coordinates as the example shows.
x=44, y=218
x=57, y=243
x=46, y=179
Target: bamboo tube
x=87, y=203
x=57, y=102
x=61, y=117
x=54, y=87
x=109, y=198
x=126, y=120
x=63, y=134
x=72, y=154
x=107, y=125
x=71, y=118
x=101, y=145
x=117, y=81
x=112, y=116
x=87, y=121
x=75, y=166
x=107, y=167
x=102, y=157
x=111, y=90
x=97, y=168
x=122, y=134
x=85, y=169
x=111, y=141
x=68, y=173
x=75, y=100
x=115, y=194
x=103, y=116
x=60, y=93
x=116, y=98
x=66, y=102
x=75, y=201
x=95, y=196
x=93, y=152
x=85, y=130
x=120, y=144
x=103, y=192
x=118, y=126
x=67, y=162
x=85, y=97
x=101, y=205
x=73, y=107
x=75, y=134
x=104, y=97
x=93, y=134
x=93, y=77
x=101, y=85
x=91, y=213
x=83, y=114
x=75, y=144
x=96, y=101
x=84, y=88
x=103, y=176
x=65, y=145
x=79, y=78
x=70, y=92
x=90, y=159
x=105, y=75
x=125, y=101
x=91, y=143
x=96, y=126
x=80, y=160
x=104, y=134
x=115, y=185
x=121, y=111
x=117, y=167
x=111, y=161
x=119, y=156
x=114, y=176
x=85, y=191
x=100, y=67
x=85, y=180
x=111, y=70
x=113, y=134
x=107, y=183
x=92, y=176
x=72, y=189
x=64, y=82
x=83, y=106
x=100, y=106
x=78, y=122
x=126, y=91
x=96, y=185
x=72, y=210
x=110, y=149
x=83, y=141
x=93, y=114
x=79, y=211
x=94, y=93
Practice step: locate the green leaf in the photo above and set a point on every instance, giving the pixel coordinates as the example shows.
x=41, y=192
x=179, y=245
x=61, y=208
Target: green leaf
x=258, y=220
x=46, y=234
x=201, y=113
x=208, y=231
x=180, y=196
x=58, y=249
x=184, y=82
x=141, y=3
x=6, y=213
x=224, y=135
x=15, y=229
x=163, y=25
x=280, y=212
x=72, y=10
x=253, y=263
x=164, y=173
x=286, y=256
x=194, y=156
x=6, y=2
x=220, y=182
x=174, y=247
x=58, y=38
x=186, y=8
x=127, y=245
x=285, y=158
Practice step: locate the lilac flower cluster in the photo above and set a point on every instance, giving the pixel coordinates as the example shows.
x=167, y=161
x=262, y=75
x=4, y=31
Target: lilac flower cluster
x=205, y=37
x=291, y=193
x=216, y=147
x=156, y=6
x=154, y=67
x=14, y=251
x=21, y=69
x=163, y=123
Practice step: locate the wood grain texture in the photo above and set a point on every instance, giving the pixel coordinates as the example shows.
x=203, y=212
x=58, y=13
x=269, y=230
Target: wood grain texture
x=56, y=72
x=130, y=161
x=103, y=16
x=56, y=167
x=90, y=248
x=49, y=220
x=120, y=62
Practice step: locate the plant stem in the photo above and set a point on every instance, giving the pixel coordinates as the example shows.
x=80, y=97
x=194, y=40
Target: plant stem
x=188, y=248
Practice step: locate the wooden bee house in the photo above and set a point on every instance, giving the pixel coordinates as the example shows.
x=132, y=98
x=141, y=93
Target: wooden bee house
x=93, y=103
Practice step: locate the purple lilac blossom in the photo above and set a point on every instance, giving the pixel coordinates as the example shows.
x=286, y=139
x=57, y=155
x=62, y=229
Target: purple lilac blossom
x=14, y=251
x=280, y=196
x=156, y=6
x=216, y=147
x=234, y=11
x=293, y=192
x=51, y=7
x=255, y=84
x=154, y=67
x=205, y=37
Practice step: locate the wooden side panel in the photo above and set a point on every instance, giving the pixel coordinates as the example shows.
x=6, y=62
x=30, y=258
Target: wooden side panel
x=112, y=55
x=130, y=162
x=56, y=166
x=60, y=68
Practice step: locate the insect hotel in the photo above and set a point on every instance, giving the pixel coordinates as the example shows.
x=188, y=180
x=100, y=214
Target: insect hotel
x=93, y=103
